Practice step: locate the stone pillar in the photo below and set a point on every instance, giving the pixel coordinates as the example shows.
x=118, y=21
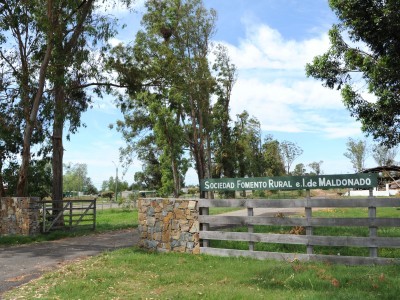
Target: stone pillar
x=169, y=225
x=19, y=216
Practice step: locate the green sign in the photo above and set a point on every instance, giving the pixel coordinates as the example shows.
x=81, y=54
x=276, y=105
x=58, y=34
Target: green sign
x=362, y=181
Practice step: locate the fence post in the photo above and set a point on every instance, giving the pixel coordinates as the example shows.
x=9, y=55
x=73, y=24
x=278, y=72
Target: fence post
x=205, y=226
x=250, y=213
x=70, y=215
x=373, y=251
x=94, y=213
x=308, y=213
x=44, y=216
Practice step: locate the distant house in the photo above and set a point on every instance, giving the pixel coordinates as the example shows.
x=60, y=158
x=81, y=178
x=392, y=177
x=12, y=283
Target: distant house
x=388, y=175
x=126, y=194
x=388, y=182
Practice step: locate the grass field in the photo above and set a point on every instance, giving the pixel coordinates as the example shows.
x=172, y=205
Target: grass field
x=134, y=274
x=107, y=219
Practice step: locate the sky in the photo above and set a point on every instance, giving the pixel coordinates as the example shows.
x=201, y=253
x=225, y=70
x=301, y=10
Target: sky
x=270, y=42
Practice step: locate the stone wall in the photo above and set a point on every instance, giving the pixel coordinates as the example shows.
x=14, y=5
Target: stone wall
x=169, y=225
x=19, y=216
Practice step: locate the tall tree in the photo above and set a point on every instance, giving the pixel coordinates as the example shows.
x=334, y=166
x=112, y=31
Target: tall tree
x=39, y=177
x=299, y=170
x=289, y=151
x=357, y=151
x=27, y=31
x=47, y=49
x=372, y=53
x=76, y=179
x=316, y=167
x=170, y=84
x=111, y=185
x=274, y=164
x=222, y=143
x=383, y=155
x=80, y=43
x=247, y=145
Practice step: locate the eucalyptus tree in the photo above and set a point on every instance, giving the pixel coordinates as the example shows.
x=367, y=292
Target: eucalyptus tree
x=316, y=167
x=26, y=40
x=222, y=142
x=272, y=157
x=248, y=147
x=383, y=155
x=76, y=179
x=357, y=151
x=289, y=152
x=299, y=170
x=49, y=47
x=80, y=44
x=365, y=47
x=170, y=84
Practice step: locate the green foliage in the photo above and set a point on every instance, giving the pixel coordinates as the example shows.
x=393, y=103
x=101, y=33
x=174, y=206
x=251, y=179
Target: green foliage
x=108, y=194
x=39, y=178
x=316, y=167
x=289, y=152
x=52, y=51
x=274, y=165
x=248, y=148
x=383, y=155
x=170, y=85
x=111, y=185
x=193, y=191
x=299, y=170
x=210, y=277
x=372, y=53
x=357, y=152
x=76, y=179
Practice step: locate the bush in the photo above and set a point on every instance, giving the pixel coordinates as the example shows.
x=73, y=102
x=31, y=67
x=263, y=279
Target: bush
x=107, y=194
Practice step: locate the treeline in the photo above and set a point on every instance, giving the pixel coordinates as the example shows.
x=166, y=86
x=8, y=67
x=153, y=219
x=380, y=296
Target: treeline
x=172, y=83
x=177, y=104
x=52, y=63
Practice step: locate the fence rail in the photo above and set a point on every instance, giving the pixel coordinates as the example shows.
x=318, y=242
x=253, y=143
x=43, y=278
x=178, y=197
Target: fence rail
x=69, y=214
x=372, y=222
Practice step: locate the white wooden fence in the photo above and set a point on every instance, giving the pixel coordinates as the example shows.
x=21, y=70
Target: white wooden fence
x=372, y=222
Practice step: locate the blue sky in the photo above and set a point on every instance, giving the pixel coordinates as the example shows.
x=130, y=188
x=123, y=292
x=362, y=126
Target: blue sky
x=269, y=41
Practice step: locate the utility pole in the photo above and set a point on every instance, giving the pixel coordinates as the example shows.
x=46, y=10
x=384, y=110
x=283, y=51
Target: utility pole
x=116, y=180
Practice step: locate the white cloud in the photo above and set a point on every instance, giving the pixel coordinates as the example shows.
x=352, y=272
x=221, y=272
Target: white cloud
x=265, y=47
x=299, y=106
x=276, y=91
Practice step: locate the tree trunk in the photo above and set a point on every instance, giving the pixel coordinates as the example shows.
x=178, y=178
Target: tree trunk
x=58, y=151
x=176, y=178
x=2, y=190
x=22, y=185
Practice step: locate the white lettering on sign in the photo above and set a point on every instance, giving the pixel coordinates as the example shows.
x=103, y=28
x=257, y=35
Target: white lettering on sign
x=219, y=185
x=279, y=184
x=324, y=182
x=251, y=184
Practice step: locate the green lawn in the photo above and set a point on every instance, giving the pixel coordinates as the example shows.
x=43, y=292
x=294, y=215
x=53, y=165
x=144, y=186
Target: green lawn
x=134, y=274
x=107, y=219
